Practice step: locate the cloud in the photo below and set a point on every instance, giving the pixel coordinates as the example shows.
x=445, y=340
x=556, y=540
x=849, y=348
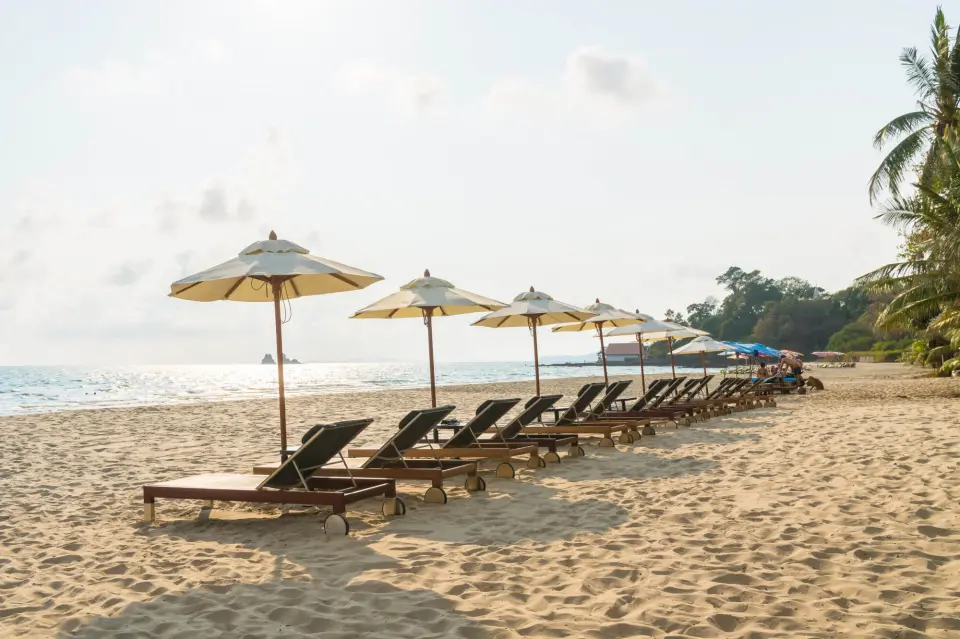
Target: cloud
x=130, y=272
x=113, y=79
x=213, y=203
x=265, y=174
x=156, y=73
x=621, y=80
x=594, y=83
x=213, y=51
x=418, y=92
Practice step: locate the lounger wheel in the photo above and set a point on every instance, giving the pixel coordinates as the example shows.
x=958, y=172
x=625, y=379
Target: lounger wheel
x=625, y=438
x=576, y=451
x=435, y=495
x=801, y=391
x=606, y=442
x=336, y=524
x=506, y=470
x=685, y=421
x=648, y=430
x=637, y=436
x=536, y=461
x=552, y=457
x=391, y=507
x=475, y=483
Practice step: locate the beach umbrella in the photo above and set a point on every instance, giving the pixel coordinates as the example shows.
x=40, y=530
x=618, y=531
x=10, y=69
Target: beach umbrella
x=703, y=345
x=661, y=331
x=425, y=297
x=605, y=314
x=532, y=309
x=272, y=271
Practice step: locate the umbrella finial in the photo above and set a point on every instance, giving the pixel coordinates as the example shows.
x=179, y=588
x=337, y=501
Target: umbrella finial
x=637, y=311
x=597, y=301
x=273, y=235
x=531, y=289
x=426, y=272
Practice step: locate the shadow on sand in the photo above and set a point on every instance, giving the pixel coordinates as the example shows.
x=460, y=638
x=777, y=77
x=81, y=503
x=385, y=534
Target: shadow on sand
x=310, y=592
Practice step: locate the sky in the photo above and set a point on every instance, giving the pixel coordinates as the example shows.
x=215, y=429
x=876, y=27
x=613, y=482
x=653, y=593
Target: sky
x=628, y=151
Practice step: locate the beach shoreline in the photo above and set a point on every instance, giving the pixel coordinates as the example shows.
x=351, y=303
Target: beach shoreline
x=830, y=515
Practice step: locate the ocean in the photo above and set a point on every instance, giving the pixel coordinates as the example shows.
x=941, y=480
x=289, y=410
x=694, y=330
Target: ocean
x=38, y=389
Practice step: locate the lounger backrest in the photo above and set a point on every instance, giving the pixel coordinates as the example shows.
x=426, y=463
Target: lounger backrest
x=737, y=386
x=614, y=391
x=413, y=428
x=667, y=392
x=585, y=397
x=314, y=453
x=695, y=388
x=487, y=415
x=721, y=388
x=531, y=413
x=653, y=390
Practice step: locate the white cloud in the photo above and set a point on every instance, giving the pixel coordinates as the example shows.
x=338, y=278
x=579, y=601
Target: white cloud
x=130, y=272
x=157, y=73
x=267, y=171
x=113, y=79
x=595, y=84
x=418, y=92
x=214, y=51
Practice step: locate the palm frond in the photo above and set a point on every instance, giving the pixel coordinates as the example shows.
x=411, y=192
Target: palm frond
x=919, y=73
x=902, y=125
x=898, y=161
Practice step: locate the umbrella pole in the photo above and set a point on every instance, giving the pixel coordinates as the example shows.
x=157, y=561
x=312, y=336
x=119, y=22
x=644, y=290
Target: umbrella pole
x=536, y=354
x=277, y=291
x=703, y=359
x=603, y=354
x=433, y=379
x=643, y=379
x=673, y=368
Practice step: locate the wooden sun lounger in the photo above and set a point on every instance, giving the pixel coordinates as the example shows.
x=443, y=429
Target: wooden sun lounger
x=291, y=483
x=571, y=421
x=511, y=435
x=648, y=407
x=464, y=445
x=389, y=460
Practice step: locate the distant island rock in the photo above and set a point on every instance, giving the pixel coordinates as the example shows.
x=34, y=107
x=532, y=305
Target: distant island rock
x=268, y=359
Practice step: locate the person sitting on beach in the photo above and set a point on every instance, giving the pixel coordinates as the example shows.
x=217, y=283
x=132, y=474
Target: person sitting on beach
x=762, y=371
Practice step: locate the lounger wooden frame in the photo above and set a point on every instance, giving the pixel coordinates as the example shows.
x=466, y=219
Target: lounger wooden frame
x=290, y=483
x=389, y=462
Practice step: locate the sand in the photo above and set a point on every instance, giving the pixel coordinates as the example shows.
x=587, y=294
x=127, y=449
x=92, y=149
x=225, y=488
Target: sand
x=834, y=514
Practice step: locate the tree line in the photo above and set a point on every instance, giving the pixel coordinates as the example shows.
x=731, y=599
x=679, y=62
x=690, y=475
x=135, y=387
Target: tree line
x=790, y=313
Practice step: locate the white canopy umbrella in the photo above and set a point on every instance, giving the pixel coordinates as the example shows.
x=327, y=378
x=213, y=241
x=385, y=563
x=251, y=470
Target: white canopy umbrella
x=702, y=345
x=658, y=331
x=270, y=271
x=605, y=315
x=424, y=297
x=532, y=309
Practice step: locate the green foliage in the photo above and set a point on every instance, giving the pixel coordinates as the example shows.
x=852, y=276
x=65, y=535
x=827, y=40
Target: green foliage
x=924, y=286
x=852, y=337
x=800, y=324
x=787, y=313
x=917, y=134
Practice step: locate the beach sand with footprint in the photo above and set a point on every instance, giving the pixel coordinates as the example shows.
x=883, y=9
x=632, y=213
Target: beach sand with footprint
x=834, y=514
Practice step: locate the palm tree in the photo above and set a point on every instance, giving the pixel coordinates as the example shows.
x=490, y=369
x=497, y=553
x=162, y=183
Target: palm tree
x=937, y=83
x=925, y=282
